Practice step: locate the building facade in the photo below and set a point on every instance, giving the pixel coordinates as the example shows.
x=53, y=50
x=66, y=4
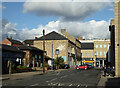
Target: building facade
x=101, y=52
x=68, y=49
x=87, y=53
x=117, y=37
x=95, y=51
x=11, y=42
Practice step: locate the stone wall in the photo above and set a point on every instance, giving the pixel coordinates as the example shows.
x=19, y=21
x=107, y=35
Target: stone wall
x=117, y=37
x=62, y=45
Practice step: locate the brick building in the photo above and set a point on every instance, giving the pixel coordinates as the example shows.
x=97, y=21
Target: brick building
x=11, y=42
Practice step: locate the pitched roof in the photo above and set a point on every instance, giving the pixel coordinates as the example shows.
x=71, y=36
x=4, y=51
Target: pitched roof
x=25, y=47
x=87, y=45
x=9, y=48
x=53, y=36
x=14, y=41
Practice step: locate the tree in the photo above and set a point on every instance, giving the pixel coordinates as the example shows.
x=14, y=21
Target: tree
x=59, y=62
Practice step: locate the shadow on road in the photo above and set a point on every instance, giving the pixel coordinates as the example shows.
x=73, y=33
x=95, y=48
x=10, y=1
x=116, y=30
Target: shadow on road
x=113, y=82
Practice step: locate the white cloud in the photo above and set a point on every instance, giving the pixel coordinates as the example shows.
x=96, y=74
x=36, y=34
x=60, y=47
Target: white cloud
x=67, y=11
x=91, y=29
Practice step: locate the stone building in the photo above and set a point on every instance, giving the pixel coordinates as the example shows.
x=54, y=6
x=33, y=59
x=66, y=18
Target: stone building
x=87, y=53
x=68, y=49
x=75, y=45
x=115, y=38
x=112, y=42
x=101, y=52
x=95, y=51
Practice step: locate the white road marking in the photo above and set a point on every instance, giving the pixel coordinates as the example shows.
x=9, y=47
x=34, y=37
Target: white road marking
x=58, y=73
x=70, y=85
x=34, y=84
x=64, y=76
x=52, y=80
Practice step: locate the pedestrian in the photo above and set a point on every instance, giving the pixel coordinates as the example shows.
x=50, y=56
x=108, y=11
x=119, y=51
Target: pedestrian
x=105, y=70
x=109, y=70
x=113, y=69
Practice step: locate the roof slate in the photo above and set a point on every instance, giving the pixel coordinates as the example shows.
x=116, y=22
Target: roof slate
x=53, y=36
x=25, y=47
x=10, y=48
x=87, y=45
x=14, y=41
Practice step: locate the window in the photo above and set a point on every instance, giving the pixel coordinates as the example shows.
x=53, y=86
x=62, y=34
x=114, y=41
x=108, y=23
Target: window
x=96, y=53
x=85, y=54
x=104, y=53
x=104, y=46
x=96, y=46
x=100, y=46
x=100, y=53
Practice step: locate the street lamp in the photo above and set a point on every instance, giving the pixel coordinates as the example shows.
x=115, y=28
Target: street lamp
x=57, y=52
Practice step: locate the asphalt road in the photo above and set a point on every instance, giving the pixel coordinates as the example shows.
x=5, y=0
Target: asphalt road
x=71, y=77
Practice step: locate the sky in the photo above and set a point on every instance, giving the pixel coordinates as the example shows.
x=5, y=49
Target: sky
x=25, y=20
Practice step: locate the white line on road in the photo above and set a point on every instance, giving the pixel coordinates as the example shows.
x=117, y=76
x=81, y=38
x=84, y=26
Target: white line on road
x=58, y=73
x=70, y=85
x=35, y=84
x=64, y=76
x=52, y=80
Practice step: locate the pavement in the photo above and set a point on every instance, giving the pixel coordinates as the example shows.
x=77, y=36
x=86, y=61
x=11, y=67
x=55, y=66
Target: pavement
x=26, y=74
x=109, y=81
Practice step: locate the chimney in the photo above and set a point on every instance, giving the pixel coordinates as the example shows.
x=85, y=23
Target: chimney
x=35, y=37
x=79, y=38
x=63, y=30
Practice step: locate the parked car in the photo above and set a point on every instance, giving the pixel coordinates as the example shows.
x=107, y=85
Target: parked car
x=82, y=67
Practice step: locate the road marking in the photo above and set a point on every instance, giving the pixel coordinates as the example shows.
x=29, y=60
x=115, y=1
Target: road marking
x=64, y=76
x=52, y=80
x=70, y=85
x=58, y=73
x=78, y=85
x=34, y=84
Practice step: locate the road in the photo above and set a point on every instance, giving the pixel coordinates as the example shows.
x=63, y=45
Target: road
x=71, y=77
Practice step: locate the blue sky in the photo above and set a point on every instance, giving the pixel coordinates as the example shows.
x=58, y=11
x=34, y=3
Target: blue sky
x=14, y=14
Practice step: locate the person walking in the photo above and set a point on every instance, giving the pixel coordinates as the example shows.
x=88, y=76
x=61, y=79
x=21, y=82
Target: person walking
x=105, y=70
x=113, y=69
x=109, y=70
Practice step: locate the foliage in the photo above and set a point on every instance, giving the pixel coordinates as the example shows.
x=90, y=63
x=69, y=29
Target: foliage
x=59, y=62
x=24, y=67
x=47, y=65
x=19, y=66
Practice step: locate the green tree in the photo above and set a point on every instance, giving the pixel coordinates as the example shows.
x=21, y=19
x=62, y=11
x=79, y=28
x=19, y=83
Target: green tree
x=59, y=62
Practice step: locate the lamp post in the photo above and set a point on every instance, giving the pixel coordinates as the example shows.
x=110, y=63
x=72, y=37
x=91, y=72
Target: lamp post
x=43, y=51
x=52, y=57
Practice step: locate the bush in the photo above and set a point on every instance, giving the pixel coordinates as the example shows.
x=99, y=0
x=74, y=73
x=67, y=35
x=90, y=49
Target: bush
x=19, y=66
x=59, y=62
x=24, y=67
